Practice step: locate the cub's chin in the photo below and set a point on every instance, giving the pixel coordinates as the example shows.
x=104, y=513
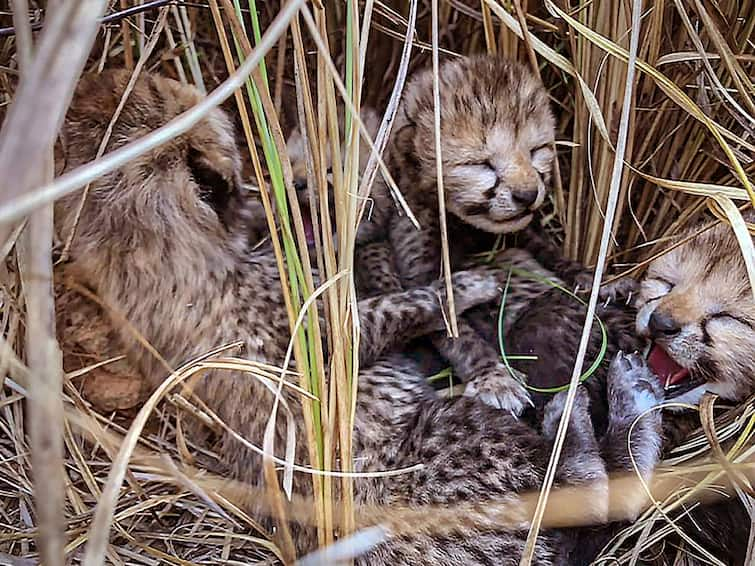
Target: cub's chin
x=492, y=226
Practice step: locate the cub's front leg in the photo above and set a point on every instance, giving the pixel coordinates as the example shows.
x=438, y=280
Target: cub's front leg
x=389, y=321
x=479, y=366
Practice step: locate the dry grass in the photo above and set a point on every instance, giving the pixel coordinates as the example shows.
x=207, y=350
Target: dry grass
x=689, y=147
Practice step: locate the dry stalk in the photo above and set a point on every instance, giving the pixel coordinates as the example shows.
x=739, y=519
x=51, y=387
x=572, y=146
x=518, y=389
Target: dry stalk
x=45, y=373
x=453, y=329
x=43, y=95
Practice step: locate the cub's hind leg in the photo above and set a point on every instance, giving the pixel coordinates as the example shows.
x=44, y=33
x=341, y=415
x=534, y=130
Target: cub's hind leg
x=632, y=391
x=583, y=481
x=632, y=443
x=581, y=461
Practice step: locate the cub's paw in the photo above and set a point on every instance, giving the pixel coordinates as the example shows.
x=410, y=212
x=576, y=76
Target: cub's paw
x=632, y=387
x=498, y=388
x=109, y=392
x=580, y=413
x=619, y=291
x=473, y=287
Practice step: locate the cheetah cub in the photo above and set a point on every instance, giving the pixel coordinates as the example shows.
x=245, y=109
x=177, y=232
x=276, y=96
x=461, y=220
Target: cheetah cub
x=497, y=133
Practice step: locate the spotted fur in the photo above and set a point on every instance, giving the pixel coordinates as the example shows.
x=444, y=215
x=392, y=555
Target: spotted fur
x=161, y=243
x=158, y=243
x=496, y=147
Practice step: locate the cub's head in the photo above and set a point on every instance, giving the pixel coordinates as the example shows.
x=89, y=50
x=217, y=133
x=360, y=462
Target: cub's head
x=697, y=307
x=497, y=132
x=372, y=222
x=181, y=195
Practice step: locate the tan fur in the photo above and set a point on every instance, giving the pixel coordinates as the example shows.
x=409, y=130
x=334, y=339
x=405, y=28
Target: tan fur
x=702, y=286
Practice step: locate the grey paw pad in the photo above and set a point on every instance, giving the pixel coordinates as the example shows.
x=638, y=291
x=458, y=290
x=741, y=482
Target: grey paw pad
x=633, y=389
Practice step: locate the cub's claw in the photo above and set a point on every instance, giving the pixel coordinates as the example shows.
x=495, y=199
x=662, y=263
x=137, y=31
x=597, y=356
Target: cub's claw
x=624, y=288
x=632, y=387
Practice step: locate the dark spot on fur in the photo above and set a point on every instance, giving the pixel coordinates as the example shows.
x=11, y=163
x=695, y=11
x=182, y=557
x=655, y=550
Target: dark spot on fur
x=476, y=209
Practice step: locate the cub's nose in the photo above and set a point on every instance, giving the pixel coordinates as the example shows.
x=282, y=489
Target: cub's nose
x=300, y=184
x=525, y=197
x=663, y=324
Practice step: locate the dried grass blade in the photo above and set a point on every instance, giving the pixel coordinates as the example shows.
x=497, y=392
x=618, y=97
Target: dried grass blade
x=46, y=381
x=384, y=132
x=355, y=115
x=558, y=60
x=103, y=515
x=269, y=446
x=453, y=329
x=720, y=90
x=24, y=42
x=43, y=95
x=678, y=96
x=744, y=238
x=737, y=74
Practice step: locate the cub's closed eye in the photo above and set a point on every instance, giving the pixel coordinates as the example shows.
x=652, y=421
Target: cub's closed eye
x=540, y=147
x=730, y=317
x=665, y=283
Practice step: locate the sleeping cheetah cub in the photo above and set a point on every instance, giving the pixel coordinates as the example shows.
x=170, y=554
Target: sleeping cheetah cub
x=497, y=134
x=696, y=307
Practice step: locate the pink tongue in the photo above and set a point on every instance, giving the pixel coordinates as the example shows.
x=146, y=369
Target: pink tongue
x=667, y=370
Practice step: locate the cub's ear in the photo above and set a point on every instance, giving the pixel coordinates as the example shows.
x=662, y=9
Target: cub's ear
x=217, y=183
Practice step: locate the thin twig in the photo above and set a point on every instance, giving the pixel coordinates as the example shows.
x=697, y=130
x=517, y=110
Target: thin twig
x=446, y=262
